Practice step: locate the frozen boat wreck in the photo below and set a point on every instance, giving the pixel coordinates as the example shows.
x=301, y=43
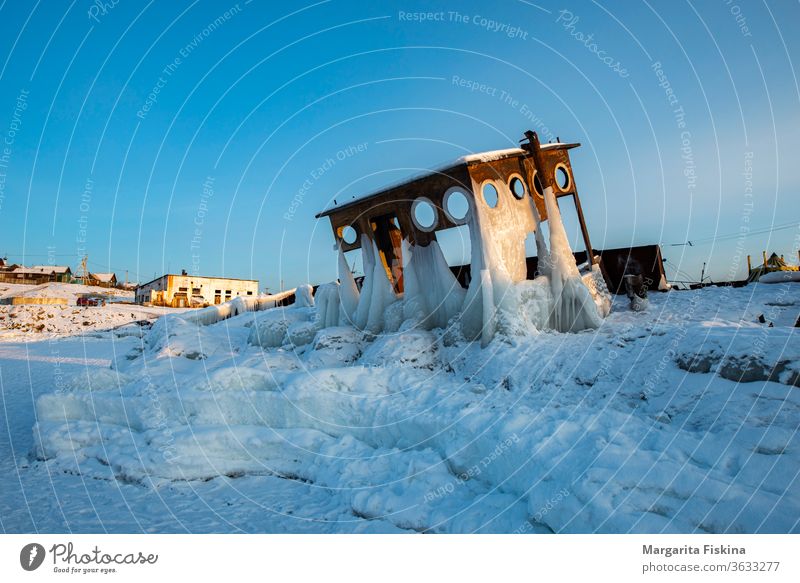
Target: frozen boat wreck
x=503, y=197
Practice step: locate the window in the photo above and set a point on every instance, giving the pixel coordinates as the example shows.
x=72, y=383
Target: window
x=562, y=178
x=456, y=205
x=196, y=291
x=348, y=234
x=249, y=293
x=537, y=184
x=490, y=196
x=517, y=187
x=183, y=289
x=423, y=214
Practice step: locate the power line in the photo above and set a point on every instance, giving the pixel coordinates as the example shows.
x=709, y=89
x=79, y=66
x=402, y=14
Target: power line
x=760, y=231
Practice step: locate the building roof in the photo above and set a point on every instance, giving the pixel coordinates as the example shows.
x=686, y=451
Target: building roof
x=53, y=268
x=32, y=271
x=468, y=160
x=103, y=277
x=196, y=277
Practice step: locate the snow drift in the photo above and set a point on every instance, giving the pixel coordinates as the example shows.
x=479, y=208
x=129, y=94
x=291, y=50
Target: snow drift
x=425, y=431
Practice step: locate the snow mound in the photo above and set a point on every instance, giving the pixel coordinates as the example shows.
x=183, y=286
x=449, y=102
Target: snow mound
x=280, y=327
x=413, y=348
x=749, y=355
x=780, y=277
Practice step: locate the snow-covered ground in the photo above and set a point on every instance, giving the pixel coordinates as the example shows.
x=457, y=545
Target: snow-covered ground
x=681, y=418
x=18, y=322
x=69, y=291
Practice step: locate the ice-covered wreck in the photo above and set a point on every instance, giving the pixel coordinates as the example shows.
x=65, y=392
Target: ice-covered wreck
x=502, y=196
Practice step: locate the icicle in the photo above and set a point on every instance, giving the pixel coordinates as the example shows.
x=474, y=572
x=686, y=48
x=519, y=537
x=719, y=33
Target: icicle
x=413, y=298
x=376, y=292
x=328, y=302
x=382, y=294
x=361, y=313
x=304, y=296
x=542, y=254
x=432, y=293
x=348, y=291
x=488, y=326
x=574, y=307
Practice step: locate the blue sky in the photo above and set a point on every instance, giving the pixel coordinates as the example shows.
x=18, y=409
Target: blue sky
x=207, y=135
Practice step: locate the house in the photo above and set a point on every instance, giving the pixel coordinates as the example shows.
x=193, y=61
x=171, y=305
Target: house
x=102, y=279
x=36, y=275
x=185, y=291
x=61, y=273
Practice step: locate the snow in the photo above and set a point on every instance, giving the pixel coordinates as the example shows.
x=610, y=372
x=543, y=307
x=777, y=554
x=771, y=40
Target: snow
x=22, y=321
x=635, y=426
x=780, y=277
x=70, y=291
x=483, y=157
x=103, y=277
x=489, y=156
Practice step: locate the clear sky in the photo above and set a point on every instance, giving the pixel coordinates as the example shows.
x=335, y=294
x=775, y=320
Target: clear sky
x=156, y=136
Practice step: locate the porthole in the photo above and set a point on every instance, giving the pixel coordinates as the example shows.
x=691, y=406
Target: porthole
x=517, y=187
x=424, y=214
x=562, y=178
x=490, y=195
x=537, y=185
x=456, y=205
x=348, y=234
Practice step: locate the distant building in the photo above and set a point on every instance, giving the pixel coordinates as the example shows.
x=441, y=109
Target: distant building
x=102, y=279
x=35, y=275
x=61, y=273
x=184, y=291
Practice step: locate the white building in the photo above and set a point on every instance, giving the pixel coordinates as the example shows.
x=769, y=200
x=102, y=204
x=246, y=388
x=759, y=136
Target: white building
x=184, y=291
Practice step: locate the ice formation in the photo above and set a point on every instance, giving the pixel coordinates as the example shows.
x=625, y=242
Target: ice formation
x=432, y=295
x=574, y=308
x=498, y=298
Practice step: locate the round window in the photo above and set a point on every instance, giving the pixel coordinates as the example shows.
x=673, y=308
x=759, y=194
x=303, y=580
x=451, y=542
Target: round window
x=490, y=196
x=349, y=235
x=537, y=184
x=517, y=188
x=456, y=205
x=424, y=214
x=562, y=177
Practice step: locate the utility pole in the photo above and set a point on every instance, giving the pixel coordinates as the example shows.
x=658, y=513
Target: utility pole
x=703, y=273
x=84, y=271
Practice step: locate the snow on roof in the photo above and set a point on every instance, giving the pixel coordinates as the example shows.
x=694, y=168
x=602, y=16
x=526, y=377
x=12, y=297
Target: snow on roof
x=52, y=268
x=103, y=277
x=490, y=156
x=32, y=271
